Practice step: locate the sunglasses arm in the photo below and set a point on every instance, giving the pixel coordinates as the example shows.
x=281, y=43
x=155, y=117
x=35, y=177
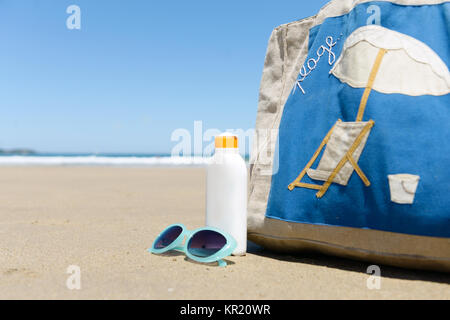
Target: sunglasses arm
x=222, y=263
x=181, y=249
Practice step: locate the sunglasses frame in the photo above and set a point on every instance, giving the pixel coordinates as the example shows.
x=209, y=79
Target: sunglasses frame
x=178, y=245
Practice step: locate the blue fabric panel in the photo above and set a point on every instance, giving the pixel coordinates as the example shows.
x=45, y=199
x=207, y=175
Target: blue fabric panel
x=411, y=135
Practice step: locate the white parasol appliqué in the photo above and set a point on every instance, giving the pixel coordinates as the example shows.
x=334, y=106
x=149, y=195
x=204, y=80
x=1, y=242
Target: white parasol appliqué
x=409, y=66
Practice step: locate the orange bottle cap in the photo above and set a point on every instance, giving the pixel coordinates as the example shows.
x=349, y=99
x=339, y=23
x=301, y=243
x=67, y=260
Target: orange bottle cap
x=225, y=141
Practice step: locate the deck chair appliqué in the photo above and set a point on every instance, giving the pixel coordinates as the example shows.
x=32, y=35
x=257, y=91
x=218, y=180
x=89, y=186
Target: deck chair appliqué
x=344, y=143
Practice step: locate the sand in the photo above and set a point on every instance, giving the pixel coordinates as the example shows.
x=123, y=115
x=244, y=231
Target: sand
x=104, y=219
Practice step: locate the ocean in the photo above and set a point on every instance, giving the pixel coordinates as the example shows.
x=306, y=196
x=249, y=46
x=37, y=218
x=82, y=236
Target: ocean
x=119, y=160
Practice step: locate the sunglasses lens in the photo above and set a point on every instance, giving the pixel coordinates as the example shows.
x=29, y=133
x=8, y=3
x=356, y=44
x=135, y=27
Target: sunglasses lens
x=205, y=243
x=168, y=237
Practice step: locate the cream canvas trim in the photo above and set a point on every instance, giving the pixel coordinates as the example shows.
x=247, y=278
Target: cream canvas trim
x=338, y=8
x=295, y=245
x=286, y=52
x=363, y=244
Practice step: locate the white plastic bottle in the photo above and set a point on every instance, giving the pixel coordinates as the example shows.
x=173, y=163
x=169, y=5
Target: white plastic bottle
x=226, y=191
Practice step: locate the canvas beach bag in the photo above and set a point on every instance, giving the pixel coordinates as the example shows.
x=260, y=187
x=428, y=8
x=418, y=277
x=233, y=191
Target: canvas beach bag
x=352, y=155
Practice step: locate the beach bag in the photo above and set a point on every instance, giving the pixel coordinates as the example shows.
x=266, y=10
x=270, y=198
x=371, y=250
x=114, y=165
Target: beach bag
x=351, y=155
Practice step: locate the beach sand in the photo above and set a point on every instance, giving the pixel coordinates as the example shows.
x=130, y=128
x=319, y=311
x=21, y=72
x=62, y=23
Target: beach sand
x=104, y=219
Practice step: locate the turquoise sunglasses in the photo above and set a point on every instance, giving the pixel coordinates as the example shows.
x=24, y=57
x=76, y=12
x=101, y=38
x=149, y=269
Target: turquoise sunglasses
x=204, y=245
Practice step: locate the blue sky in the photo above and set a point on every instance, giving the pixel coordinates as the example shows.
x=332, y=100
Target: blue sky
x=135, y=71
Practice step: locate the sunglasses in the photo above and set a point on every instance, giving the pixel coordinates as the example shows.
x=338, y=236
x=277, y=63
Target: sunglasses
x=204, y=245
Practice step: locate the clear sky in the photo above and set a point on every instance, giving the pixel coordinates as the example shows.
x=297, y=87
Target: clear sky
x=135, y=71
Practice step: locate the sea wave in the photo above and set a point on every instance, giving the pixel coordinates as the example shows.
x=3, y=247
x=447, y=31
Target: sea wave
x=101, y=161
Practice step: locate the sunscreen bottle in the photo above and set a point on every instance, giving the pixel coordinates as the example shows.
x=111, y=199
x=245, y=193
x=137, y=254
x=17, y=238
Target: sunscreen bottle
x=226, y=191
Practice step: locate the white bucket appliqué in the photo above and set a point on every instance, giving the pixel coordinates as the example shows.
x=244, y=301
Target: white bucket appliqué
x=403, y=187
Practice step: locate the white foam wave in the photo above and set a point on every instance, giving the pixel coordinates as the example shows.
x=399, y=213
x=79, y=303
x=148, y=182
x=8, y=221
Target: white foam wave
x=101, y=161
